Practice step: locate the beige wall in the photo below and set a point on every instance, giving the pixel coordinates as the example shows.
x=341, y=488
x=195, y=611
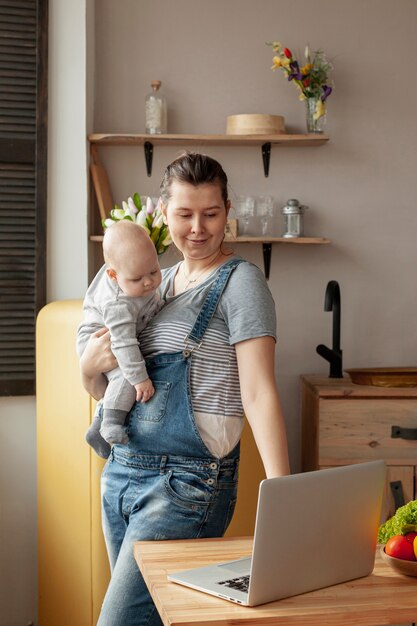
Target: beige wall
x=361, y=187
x=18, y=547
x=212, y=60
x=67, y=162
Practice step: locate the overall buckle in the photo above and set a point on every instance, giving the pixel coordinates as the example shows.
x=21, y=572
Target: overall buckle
x=190, y=346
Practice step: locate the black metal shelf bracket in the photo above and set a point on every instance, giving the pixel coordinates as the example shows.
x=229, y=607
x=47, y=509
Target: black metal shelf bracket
x=148, y=157
x=266, y=157
x=267, y=249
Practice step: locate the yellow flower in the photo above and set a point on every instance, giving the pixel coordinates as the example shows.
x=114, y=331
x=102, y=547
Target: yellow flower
x=285, y=62
x=276, y=46
x=301, y=96
x=306, y=68
x=276, y=63
x=320, y=110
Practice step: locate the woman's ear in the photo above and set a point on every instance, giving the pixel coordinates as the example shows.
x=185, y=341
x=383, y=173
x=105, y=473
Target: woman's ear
x=228, y=206
x=111, y=273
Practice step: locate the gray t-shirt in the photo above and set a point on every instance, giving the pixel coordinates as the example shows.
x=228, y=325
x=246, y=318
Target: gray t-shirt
x=246, y=310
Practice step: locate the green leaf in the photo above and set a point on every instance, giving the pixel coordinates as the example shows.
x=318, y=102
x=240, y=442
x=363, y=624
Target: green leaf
x=136, y=199
x=403, y=521
x=409, y=528
x=155, y=235
x=160, y=249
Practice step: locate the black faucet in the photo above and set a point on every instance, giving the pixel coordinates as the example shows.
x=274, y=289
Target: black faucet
x=333, y=355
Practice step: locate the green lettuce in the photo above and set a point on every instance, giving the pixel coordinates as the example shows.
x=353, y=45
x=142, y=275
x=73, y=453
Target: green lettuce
x=402, y=522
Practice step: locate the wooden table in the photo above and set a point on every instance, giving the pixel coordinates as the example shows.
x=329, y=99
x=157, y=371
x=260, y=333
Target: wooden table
x=384, y=597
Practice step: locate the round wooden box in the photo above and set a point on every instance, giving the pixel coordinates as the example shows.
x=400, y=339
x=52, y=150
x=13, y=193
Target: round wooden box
x=255, y=124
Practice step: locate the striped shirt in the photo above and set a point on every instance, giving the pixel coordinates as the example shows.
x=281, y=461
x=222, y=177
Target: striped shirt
x=246, y=310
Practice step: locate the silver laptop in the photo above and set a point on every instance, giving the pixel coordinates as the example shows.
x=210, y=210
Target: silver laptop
x=312, y=530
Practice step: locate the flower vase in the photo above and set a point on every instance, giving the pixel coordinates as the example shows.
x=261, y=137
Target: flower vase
x=316, y=115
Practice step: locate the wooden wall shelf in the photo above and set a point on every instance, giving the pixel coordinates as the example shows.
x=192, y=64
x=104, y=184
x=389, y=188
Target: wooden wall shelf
x=293, y=240
x=149, y=141
x=129, y=139
x=103, y=190
x=289, y=240
x=266, y=244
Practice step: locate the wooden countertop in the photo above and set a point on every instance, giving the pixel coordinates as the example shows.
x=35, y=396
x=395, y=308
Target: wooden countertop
x=384, y=597
x=325, y=387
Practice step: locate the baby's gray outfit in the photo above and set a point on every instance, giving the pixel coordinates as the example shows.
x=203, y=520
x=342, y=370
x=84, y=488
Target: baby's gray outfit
x=106, y=305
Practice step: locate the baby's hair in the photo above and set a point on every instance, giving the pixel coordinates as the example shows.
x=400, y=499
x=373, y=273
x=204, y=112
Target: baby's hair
x=118, y=239
x=195, y=169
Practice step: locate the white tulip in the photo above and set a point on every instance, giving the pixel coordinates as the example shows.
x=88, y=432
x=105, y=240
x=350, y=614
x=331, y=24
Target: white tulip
x=133, y=209
x=149, y=206
x=158, y=221
x=141, y=219
x=117, y=214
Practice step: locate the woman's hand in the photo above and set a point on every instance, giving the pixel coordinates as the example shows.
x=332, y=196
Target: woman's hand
x=261, y=403
x=96, y=359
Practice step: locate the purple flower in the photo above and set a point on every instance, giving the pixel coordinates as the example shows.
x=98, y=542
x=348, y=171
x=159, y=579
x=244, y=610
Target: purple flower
x=326, y=92
x=295, y=71
x=296, y=76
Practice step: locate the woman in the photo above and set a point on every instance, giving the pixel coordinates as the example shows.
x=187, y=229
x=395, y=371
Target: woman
x=210, y=355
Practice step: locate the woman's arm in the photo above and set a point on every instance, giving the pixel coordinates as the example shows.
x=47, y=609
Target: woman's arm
x=96, y=359
x=261, y=403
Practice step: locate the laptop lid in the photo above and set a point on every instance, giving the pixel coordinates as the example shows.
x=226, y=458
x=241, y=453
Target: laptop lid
x=315, y=529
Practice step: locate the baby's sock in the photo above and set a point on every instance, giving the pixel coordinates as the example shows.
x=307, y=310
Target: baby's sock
x=112, y=426
x=95, y=440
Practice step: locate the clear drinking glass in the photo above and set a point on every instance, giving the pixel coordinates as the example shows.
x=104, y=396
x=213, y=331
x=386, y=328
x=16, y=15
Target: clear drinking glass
x=265, y=213
x=245, y=211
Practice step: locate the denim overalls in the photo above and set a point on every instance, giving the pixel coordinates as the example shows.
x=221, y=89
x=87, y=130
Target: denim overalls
x=165, y=483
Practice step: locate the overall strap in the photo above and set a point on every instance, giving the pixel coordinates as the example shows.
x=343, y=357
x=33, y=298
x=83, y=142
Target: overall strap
x=210, y=303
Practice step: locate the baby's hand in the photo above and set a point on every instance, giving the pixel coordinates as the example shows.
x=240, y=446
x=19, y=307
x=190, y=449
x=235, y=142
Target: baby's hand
x=144, y=390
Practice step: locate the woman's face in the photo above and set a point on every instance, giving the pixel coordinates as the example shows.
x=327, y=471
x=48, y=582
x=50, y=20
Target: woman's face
x=196, y=218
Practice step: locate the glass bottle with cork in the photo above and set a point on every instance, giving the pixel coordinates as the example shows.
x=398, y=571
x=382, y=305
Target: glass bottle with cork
x=155, y=110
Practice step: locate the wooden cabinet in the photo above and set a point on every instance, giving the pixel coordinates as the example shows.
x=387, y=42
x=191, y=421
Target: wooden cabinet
x=344, y=423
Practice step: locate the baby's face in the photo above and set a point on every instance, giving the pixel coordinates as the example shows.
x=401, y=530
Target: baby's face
x=140, y=275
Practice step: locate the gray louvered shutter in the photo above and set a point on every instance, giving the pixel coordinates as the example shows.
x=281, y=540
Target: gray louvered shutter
x=23, y=76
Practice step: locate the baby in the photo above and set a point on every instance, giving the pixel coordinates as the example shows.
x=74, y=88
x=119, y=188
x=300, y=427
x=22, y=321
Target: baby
x=123, y=297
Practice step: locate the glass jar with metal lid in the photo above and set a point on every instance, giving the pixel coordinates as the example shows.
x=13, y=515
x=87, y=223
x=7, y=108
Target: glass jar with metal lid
x=293, y=213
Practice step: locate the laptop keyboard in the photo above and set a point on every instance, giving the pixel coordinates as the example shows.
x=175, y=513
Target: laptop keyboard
x=241, y=583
